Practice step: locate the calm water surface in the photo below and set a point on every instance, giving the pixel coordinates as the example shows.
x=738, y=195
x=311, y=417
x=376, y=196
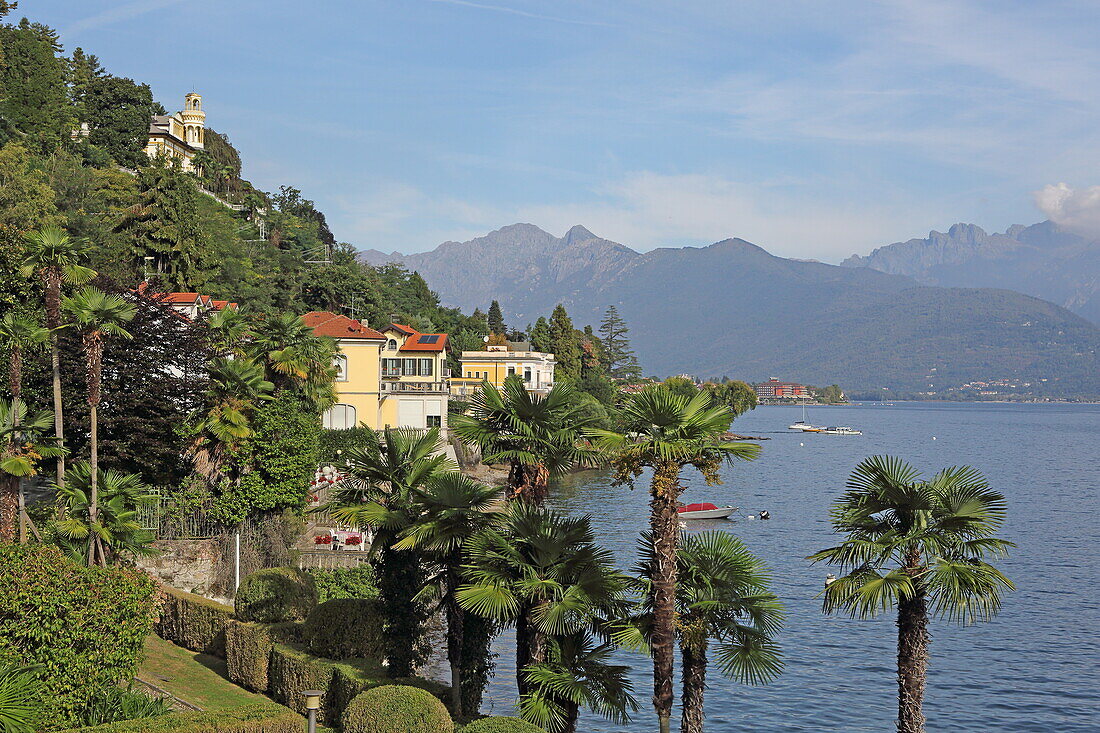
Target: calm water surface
x=1036, y=667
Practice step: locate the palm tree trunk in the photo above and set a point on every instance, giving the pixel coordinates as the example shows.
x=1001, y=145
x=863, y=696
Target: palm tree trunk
x=455, y=619
x=16, y=372
x=94, y=349
x=693, y=657
x=529, y=483
x=912, y=653
x=666, y=536
x=572, y=712
x=9, y=506
x=530, y=645
x=58, y=417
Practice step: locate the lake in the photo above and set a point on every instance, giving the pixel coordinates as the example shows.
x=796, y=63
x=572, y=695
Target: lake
x=1033, y=668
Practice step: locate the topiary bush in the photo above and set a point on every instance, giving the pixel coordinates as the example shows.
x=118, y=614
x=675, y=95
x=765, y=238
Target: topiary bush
x=193, y=622
x=274, y=595
x=260, y=718
x=359, y=582
x=345, y=627
x=396, y=709
x=501, y=725
x=86, y=627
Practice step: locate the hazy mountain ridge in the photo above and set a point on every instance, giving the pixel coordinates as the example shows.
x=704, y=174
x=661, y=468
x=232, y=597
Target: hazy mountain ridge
x=731, y=308
x=1040, y=260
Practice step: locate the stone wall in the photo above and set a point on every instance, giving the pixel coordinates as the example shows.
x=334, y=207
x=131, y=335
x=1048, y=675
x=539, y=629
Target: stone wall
x=190, y=565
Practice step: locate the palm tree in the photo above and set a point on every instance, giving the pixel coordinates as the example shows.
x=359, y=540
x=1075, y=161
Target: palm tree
x=23, y=443
x=378, y=491
x=577, y=674
x=536, y=435
x=229, y=331
x=721, y=594
x=18, y=334
x=116, y=525
x=235, y=389
x=295, y=358
x=99, y=315
x=666, y=432
x=451, y=508
x=544, y=573
x=56, y=259
x=916, y=546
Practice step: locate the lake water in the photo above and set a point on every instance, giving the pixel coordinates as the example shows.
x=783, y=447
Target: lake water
x=1035, y=667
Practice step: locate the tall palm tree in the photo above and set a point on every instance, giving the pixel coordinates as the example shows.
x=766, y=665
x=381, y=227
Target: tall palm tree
x=667, y=431
x=378, y=491
x=55, y=258
x=544, y=573
x=918, y=547
x=451, y=509
x=117, y=525
x=229, y=332
x=23, y=442
x=99, y=315
x=17, y=334
x=535, y=434
x=295, y=358
x=722, y=595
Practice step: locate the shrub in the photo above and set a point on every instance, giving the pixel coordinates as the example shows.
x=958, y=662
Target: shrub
x=274, y=595
x=345, y=583
x=193, y=622
x=396, y=709
x=260, y=718
x=247, y=651
x=292, y=670
x=501, y=725
x=114, y=704
x=86, y=627
x=345, y=627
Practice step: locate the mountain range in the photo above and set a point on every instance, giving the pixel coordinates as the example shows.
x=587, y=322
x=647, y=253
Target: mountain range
x=733, y=309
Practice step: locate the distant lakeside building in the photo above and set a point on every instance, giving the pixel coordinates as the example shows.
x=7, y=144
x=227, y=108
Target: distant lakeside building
x=180, y=135
x=774, y=389
x=497, y=363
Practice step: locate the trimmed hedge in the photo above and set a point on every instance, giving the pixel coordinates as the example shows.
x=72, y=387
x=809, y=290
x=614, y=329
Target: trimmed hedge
x=292, y=670
x=501, y=725
x=247, y=652
x=396, y=709
x=274, y=595
x=193, y=622
x=259, y=718
x=85, y=626
x=358, y=582
x=346, y=627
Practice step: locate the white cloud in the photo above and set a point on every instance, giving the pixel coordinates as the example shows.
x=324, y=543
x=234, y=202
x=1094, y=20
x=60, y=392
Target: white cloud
x=1075, y=209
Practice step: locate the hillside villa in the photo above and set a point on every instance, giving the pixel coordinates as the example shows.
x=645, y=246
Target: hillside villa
x=497, y=363
x=180, y=135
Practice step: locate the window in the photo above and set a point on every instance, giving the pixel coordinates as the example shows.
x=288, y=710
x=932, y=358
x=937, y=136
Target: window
x=409, y=367
x=434, y=421
x=339, y=417
x=527, y=375
x=511, y=371
x=341, y=363
x=469, y=374
x=391, y=345
x=391, y=367
x=425, y=367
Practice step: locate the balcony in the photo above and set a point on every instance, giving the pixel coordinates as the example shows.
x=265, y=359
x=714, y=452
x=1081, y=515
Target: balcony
x=414, y=387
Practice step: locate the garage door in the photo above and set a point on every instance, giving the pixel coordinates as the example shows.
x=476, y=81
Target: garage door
x=410, y=414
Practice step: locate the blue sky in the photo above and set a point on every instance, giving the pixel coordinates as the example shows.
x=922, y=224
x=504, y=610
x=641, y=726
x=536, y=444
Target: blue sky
x=813, y=129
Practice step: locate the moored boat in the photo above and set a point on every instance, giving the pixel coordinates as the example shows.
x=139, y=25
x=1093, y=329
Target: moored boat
x=842, y=430
x=705, y=510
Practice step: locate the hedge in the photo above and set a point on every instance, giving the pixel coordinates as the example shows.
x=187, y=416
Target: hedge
x=292, y=670
x=501, y=725
x=259, y=718
x=274, y=595
x=358, y=582
x=193, y=622
x=346, y=627
x=396, y=709
x=85, y=626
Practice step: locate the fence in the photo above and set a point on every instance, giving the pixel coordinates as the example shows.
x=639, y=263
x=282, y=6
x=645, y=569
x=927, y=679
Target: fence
x=330, y=560
x=167, y=521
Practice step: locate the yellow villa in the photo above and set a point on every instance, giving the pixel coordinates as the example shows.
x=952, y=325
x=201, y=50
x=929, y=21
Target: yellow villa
x=180, y=135
x=497, y=363
x=396, y=377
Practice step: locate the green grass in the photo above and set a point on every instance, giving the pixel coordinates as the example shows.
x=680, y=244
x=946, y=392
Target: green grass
x=199, y=679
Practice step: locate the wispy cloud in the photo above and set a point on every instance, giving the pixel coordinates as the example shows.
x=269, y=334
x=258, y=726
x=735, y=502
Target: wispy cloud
x=1075, y=209
x=115, y=15
x=521, y=13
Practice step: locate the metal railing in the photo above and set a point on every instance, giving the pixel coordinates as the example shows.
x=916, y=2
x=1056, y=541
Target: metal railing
x=167, y=521
x=414, y=386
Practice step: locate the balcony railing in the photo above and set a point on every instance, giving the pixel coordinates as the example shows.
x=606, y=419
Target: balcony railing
x=423, y=387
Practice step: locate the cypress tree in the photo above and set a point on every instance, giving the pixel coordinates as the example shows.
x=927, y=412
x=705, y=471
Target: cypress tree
x=496, y=319
x=565, y=344
x=540, y=336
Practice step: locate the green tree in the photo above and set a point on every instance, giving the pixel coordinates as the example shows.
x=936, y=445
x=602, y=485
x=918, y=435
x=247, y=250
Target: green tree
x=722, y=594
x=452, y=508
x=541, y=338
x=294, y=358
x=621, y=362
x=34, y=105
x=738, y=396
x=918, y=547
x=382, y=477
x=536, y=435
x=545, y=573
x=22, y=444
x=682, y=386
x=496, y=319
x=55, y=258
x=666, y=431
x=98, y=315
x=118, y=111
x=116, y=525
x=17, y=335
x=564, y=344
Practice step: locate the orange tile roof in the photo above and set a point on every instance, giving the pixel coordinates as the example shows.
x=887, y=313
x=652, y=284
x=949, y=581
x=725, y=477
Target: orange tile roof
x=407, y=330
x=425, y=342
x=326, y=323
x=178, y=297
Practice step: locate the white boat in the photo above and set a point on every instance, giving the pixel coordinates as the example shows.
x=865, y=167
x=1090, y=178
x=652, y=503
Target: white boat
x=803, y=425
x=842, y=430
x=704, y=511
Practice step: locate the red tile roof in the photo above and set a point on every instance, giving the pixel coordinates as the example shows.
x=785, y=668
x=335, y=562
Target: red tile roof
x=325, y=323
x=425, y=342
x=403, y=329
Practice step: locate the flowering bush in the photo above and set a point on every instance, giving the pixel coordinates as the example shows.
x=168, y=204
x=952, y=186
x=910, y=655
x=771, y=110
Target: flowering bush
x=322, y=539
x=353, y=540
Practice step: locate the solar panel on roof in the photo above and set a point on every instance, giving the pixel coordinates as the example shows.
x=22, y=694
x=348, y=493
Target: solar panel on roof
x=429, y=339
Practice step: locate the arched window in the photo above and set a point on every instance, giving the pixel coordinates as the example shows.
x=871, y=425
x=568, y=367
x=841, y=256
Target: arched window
x=341, y=363
x=339, y=417
x=392, y=344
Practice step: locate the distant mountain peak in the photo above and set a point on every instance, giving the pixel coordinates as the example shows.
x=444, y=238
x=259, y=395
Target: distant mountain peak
x=578, y=233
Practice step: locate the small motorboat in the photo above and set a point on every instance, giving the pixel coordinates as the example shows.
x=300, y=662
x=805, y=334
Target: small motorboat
x=705, y=511
x=842, y=430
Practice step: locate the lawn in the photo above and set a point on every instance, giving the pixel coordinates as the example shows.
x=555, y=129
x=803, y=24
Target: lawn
x=199, y=679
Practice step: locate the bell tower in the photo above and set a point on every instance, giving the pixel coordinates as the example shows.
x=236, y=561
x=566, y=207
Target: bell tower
x=194, y=120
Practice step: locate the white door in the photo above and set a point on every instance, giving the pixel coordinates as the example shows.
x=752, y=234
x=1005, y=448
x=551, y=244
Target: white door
x=410, y=414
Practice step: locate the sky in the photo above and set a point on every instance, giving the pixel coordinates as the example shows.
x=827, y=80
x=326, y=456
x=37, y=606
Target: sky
x=814, y=129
